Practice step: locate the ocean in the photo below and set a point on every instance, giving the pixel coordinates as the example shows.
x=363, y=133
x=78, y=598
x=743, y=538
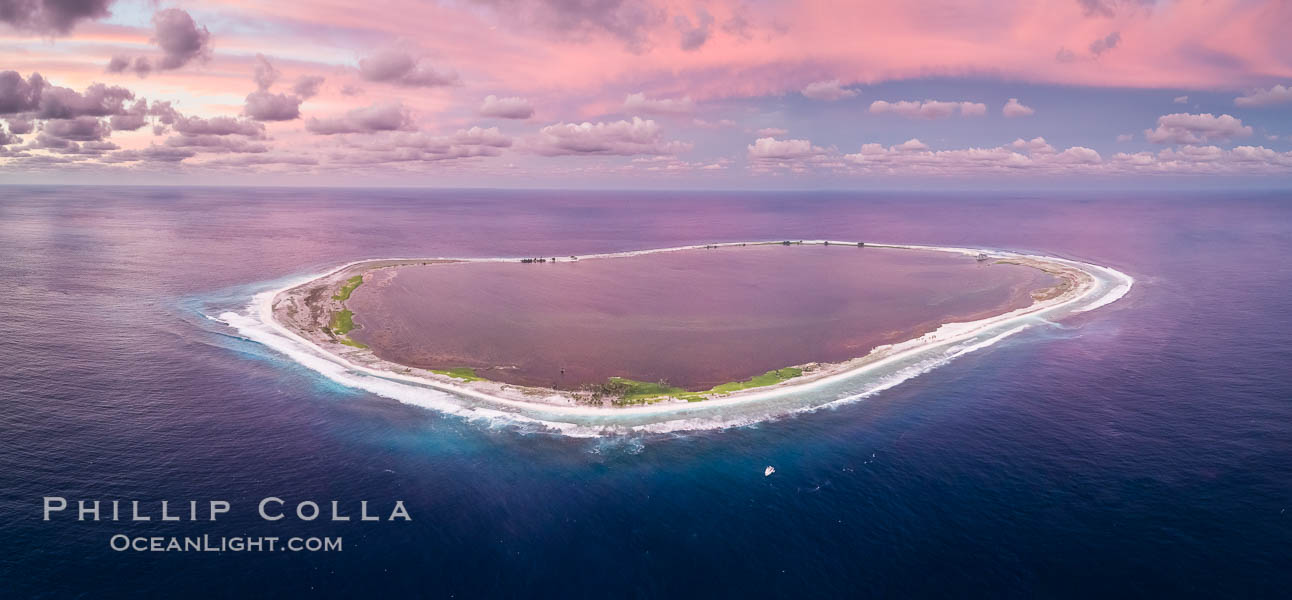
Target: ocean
x=1141, y=448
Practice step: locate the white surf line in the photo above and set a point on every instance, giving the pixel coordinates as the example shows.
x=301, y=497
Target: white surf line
x=946, y=335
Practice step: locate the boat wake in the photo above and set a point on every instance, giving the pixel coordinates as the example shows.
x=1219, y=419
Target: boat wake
x=901, y=362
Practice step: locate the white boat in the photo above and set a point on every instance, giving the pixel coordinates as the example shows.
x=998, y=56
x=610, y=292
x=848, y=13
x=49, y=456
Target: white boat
x=768, y=471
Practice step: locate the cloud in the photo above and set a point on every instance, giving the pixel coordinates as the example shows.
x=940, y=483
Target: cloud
x=264, y=73
x=1278, y=94
x=1106, y=43
x=401, y=68
x=179, y=38
x=268, y=106
x=1079, y=155
x=98, y=100
x=772, y=149
x=263, y=105
x=151, y=154
x=396, y=147
x=772, y=132
x=628, y=21
x=506, y=108
x=385, y=116
x=51, y=16
x=19, y=125
x=307, y=86
x=1096, y=8
x=140, y=65
x=694, y=37
x=19, y=95
x=623, y=138
x=1184, y=128
x=79, y=129
x=827, y=90
x=218, y=126
x=640, y=103
x=1125, y=137
x=216, y=143
x=929, y=109
x=1181, y=100
x=1014, y=108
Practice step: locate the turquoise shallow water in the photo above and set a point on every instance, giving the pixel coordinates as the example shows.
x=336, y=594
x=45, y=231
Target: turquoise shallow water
x=1142, y=448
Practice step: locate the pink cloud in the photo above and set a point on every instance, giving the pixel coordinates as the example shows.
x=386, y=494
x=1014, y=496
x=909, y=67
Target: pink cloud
x=1014, y=108
x=928, y=109
x=1184, y=128
x=637, y=136
x=1278, y=94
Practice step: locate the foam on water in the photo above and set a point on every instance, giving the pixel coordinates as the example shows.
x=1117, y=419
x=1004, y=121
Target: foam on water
x=905, y=360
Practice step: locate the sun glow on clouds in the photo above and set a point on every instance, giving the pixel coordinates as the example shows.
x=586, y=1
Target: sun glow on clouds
x=639, y=87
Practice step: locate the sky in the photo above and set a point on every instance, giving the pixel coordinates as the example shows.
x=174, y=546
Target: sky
x=724, y=94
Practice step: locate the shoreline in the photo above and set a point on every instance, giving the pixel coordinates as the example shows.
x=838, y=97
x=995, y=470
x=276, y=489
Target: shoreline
x=1093, y=284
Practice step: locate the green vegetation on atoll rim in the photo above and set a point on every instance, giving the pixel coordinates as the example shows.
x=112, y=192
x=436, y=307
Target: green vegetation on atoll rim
x=768, y=378
x=342, y=322
x=463, y=373
x=350, y=284
x=627, y=391
x=350, y=342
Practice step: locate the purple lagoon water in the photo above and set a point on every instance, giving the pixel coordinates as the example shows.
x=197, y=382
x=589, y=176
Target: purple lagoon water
x=1144, y=448
x=694, y=318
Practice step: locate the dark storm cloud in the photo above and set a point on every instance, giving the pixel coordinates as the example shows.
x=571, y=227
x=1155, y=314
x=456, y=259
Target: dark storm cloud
x=51, y=16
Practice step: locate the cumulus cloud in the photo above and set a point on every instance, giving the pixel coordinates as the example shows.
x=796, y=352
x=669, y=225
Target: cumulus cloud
x=1014, y=108
x=216, y=143
x=19, y=125
x=384, y=116
x=827, y=90
x=218, y=126
x=51, y=17
x=264, y=105
x=625, y=138
x=307, y=86
x=1278, y=94
x=151, y=154
x=179, y=38
x=1105, y=43
x=140, y=65
x=506, y=108
x=402, y=68
x=694, y=36
x=98, y=100
x=929, y=109
x=268, y=106
x=78, y=129
x=772, y=149
x=640, y=103
x=399, y=147
x=1184, y=128
x=20, y=95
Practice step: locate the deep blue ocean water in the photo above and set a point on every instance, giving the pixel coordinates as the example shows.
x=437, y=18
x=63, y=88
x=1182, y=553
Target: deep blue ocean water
x=1141, y=449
